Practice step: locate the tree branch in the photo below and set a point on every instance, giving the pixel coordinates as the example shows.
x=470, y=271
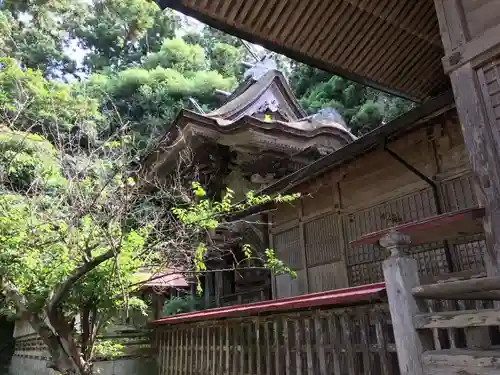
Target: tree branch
x=63, y=288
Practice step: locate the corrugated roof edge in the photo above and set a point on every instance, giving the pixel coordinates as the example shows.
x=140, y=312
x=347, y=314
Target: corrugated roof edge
x=403, y=124
x=338, y=297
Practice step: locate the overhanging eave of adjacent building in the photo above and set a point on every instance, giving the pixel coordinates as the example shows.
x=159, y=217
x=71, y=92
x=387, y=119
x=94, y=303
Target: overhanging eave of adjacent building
x=394, y=46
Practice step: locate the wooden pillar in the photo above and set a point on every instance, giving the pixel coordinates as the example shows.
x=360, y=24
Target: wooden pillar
x=401, y=276
x=470, y=31
x=218, y=286
x=207, y=289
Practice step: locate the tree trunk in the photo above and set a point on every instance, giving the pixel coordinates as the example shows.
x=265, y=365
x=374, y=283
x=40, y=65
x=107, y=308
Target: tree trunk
x=66, y=357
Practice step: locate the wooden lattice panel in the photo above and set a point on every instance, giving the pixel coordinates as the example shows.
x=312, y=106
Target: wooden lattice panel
x=287, y=247
x=468, y=251
x=328, y=276
x=491, y=76
x=459, y=193
x=365, y=262
x=321, y=237
x=431, y=259
x=403, y=210
x=366, y=273
x=286, y=286
x=468, y=254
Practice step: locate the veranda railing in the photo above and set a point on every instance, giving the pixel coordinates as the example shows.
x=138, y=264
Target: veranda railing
x=344, y=331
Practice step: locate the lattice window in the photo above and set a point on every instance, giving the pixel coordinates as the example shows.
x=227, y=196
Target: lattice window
x=467, y=251
x=287, y=246
x=431, y=259
x=459, y=193
x=366, y=273
x=321, y=240
x=364, y=262
x=491, y=74
x=406, y=209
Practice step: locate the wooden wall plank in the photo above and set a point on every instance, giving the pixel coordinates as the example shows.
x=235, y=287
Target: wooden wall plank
x=277, y=353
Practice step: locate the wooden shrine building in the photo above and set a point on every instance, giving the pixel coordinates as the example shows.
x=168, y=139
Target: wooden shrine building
x=422, y=192
x=258, y=135
x=414, y=48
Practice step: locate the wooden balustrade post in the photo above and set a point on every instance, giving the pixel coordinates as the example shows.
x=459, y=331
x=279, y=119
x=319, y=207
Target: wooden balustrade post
x=401, y=275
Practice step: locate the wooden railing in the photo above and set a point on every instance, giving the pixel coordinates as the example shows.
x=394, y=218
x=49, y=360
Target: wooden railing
x=344, y=331
x=445, y=328
x=440, y=329
x=244, y=297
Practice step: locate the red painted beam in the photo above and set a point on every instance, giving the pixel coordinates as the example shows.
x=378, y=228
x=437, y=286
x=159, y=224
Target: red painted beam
x=435, y=228
x=345, y=296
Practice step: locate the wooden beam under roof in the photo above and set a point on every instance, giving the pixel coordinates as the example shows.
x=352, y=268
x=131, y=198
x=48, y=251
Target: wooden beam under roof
x=391, y=45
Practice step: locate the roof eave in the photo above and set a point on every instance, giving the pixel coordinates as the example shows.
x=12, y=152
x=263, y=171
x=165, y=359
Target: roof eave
x=177, y=5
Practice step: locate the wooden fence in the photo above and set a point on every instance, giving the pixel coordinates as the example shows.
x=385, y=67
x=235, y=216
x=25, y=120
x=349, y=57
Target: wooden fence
x=351, y=340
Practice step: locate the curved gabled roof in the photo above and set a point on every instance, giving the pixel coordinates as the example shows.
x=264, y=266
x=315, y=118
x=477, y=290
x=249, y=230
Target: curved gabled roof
x=237, y=106
x=307, y=129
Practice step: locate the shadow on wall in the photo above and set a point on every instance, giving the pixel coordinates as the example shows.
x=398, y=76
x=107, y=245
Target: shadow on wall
x=6, y=344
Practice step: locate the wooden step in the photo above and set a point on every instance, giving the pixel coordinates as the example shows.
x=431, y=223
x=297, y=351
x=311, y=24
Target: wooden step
x=461, y=362
x=458, y=319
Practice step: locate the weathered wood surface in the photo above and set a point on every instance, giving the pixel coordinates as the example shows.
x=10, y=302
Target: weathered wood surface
x=461, y=362
x=401, y=275
x=457, y=319
x=374, y=192
x=483, y=151
x=434, y=228
x=470, y=34
x=350, y=341
x=447, y=289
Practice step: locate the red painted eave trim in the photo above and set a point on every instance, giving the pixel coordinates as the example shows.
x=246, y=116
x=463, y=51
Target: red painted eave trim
x=345, y=296
x=424, y=230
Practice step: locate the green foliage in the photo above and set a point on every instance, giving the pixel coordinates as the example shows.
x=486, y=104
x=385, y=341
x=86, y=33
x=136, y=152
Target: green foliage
x=362, y=108
x=178, y=55
x=205, y=215
x=28, y=101
x=225, y=59
x=277, y=265
x=179, y=305
x=108, y=349
x=119, y=33
x=28, y=163
x=39, y=250
x=149, y=99
x=35, y=33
